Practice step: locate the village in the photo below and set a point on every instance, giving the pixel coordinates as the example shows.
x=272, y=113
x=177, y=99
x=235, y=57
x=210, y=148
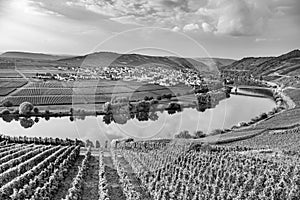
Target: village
x=155, y=74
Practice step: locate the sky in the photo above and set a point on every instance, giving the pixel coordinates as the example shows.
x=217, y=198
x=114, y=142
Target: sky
x=189, y=28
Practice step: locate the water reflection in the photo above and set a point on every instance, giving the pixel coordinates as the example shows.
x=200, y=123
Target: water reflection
x=119, y=112
x=160, y=122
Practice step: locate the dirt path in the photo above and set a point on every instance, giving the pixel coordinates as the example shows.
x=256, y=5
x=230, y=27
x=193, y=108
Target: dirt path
x=66, y=184
x=115, y=190
x=90, y=188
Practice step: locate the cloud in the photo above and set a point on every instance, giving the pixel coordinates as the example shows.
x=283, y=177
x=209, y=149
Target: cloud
x=190, y=27
x=226, y=17
x=176, y=29
x=266, y=39
x=236, y=17
x=207, y=27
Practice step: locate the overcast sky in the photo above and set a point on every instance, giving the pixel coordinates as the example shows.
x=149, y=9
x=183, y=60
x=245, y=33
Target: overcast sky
x=194, y=28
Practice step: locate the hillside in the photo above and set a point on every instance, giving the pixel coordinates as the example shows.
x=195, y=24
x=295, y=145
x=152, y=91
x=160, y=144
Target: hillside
x=284, y=65
x=104, y=59
x=109, y=58
x=29, y=55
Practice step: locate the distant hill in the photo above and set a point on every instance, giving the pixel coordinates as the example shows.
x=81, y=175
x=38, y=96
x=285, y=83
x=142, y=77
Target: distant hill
x=34, y=56
x=286, y=64
x=103, y=59
x=215, y=63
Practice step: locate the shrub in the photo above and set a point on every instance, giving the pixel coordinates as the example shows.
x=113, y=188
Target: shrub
x=158, y=98
x=25, y=108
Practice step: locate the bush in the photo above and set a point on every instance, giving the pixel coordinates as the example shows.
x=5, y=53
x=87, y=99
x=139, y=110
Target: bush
x=7, y=104
x=25, y=108
x=158, y=98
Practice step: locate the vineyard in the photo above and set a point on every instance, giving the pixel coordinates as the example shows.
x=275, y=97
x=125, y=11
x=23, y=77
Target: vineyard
x=83, y=92
x=150, y=170
x=286, y=141
x=8, y=86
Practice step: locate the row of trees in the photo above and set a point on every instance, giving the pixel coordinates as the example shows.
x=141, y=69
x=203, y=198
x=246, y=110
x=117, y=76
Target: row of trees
x=40, y=140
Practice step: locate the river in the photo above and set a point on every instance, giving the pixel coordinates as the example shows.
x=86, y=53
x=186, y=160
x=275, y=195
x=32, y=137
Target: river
x=228, y=112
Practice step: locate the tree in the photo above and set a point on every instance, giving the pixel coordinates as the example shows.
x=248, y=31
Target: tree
x=26, y=122
x=263, y=116
x=7, y=104
x=199, y=134
x=36, y=110
x=89, y=143
x=216, y=132
x=6, y=115
x=183, y=134
x=25, y=108
x=107, y=107
x=36, y=120
x=97, y=144
x=146, y=98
